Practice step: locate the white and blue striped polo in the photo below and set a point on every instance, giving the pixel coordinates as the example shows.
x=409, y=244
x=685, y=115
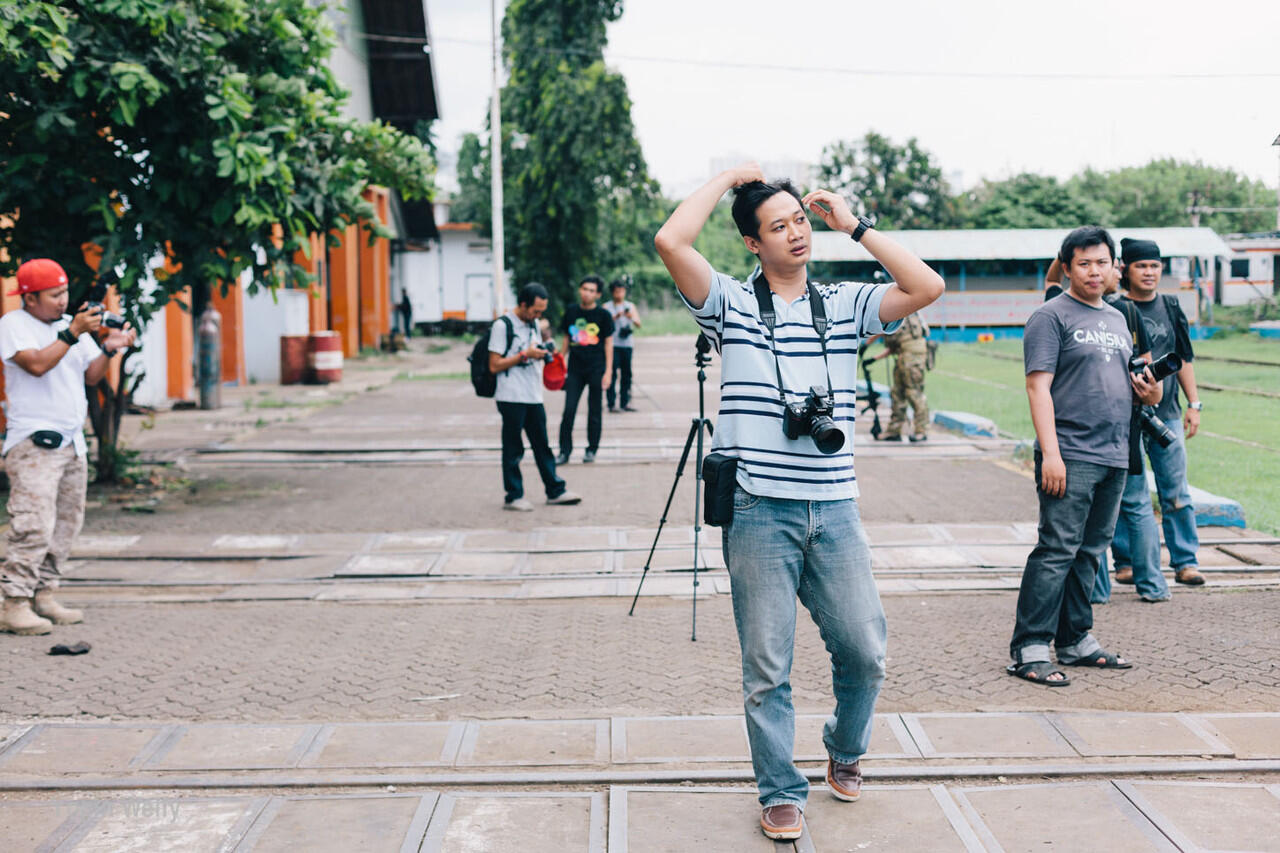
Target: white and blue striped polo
x=750, y=421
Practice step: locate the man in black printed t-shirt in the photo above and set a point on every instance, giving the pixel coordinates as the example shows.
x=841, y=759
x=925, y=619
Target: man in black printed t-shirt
x=588, y=331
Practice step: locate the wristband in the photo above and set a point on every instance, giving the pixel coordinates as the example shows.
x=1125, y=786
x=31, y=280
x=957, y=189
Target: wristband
x=67, y=338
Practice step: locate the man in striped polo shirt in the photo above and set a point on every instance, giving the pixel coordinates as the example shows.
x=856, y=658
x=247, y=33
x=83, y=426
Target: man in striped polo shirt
x=795, y=528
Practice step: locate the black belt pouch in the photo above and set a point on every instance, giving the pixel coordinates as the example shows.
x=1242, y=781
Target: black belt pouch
x=720, y=478
x=47, y=438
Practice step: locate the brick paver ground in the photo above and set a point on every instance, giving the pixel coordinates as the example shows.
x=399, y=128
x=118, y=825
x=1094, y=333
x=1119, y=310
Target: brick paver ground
x=1205, y=651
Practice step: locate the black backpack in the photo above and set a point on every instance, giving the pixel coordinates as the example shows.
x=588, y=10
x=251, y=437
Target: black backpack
x=482, y=379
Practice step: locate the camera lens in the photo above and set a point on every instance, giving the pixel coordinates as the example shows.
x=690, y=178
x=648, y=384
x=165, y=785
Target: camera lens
x=1166, y=366
x=1154, y=427
x=826, y=435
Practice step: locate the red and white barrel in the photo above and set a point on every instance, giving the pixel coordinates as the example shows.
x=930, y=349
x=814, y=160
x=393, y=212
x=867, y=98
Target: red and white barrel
x=324, y=357
x=293, y=359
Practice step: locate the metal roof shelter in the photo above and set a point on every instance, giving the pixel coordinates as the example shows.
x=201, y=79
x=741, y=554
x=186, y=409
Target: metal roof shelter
x=1013, y=243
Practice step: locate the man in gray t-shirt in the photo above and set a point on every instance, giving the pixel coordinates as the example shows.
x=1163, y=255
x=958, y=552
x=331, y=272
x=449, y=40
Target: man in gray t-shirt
x=1076, y=354
x=516, y=357
x=625, y=321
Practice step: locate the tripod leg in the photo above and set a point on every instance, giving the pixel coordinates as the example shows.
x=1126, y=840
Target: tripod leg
x=697, y=522
x=694, y=429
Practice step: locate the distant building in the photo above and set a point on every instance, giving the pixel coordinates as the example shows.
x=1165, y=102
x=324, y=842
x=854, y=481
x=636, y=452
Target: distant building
x=1252, y=271
x=995, y=278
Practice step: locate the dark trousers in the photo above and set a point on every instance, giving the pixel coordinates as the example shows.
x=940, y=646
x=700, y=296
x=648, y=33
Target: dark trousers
x=1075, y=530
x=621, y=365
x=531, y=420
x=576, y=380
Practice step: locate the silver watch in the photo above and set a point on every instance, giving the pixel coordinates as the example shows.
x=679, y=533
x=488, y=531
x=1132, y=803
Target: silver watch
x=1197, y=405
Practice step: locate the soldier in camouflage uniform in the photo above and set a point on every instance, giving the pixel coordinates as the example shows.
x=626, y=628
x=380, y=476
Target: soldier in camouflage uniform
x=911, y=346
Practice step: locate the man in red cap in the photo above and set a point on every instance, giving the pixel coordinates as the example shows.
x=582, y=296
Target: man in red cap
x=48, y=359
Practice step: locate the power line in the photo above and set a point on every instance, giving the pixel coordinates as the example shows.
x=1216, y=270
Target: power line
x=891, y=73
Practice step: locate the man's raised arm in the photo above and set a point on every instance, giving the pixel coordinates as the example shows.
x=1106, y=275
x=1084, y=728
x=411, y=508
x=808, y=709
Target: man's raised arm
x=674, y=241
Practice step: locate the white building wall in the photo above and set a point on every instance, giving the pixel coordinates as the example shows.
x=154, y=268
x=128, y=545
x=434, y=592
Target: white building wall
x=267, y=316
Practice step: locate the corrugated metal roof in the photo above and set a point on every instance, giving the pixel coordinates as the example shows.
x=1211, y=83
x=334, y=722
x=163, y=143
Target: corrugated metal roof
x=1013, y=243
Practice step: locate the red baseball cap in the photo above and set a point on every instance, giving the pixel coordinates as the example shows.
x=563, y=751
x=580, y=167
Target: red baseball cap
x=39, y=274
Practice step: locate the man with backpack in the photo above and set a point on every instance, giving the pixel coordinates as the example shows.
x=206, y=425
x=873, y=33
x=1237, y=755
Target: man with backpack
x=507, y=365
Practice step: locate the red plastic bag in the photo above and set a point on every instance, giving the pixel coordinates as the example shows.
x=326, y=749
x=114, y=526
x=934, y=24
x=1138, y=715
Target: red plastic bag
x=554, y=373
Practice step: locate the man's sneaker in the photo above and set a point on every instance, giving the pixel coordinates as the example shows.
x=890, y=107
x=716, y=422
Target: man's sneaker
x=19, y=618
x=562, y=459
x=589, y=456
x=1124, y=574
x=613, y=408
x=782, y=822
x=845, y=780
x=887, y=437
x=518, y=505
x=919, y=437
x=565, y=498
x=1189, y=575
x=628, y=408
x=45, y=605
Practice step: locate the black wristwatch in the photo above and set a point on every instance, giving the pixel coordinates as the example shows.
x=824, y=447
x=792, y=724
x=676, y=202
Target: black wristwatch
x=67, y=338
x=863, y=224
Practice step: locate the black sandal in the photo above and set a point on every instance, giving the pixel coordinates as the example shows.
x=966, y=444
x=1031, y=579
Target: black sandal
x=1038, y=672
x=1109, y=661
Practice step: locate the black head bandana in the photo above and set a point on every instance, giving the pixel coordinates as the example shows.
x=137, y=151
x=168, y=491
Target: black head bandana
x=1132, y=251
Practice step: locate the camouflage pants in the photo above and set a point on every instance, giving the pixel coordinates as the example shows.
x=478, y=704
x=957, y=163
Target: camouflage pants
x=46, y=510
x=908, y=388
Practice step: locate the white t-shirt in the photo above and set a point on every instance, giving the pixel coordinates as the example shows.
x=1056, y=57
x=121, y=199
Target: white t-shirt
x=522, y=383
x=53, y=401
x=621, y=321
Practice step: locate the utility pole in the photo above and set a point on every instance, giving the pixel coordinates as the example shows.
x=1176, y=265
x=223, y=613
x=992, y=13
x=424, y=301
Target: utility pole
x=495, y=162
x=1277, y=143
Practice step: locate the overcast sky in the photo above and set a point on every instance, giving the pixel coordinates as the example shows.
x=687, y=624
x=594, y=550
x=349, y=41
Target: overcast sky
x=991, y=88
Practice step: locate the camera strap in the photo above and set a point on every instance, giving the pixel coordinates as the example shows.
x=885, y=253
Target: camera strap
x=818, y=314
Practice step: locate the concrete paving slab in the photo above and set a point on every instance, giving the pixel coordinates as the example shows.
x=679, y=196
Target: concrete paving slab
x=385, y=745
x=234, y=747
x=28, y=827
x=8, y=734
x=234, y=542
x=569, y=562
x=987, y=735
x=71, y=748
x=677, y=585
x=570, y=538
x=534, y=742
x=1136, y=734
x=530, y=823
x=1249, y=735
x=586, y=588
x=1001, y=556
x=677, y=820
x=1070, y=816
x=983, y=534
x=497, y=540
x=919, y=558
x=272, y=592
x=480, y=564
x=364, y=565
x=889, y=738
x=471, y=589
x=1209, y=816
x=678, y=739
x=371, y=592
x=412, y=542
x=122, y=570
x=143, y=826
x=341, y=824
x=100, y=543
x=905, y=819
x=664, y=559
x=884, y=535
x=642, y=537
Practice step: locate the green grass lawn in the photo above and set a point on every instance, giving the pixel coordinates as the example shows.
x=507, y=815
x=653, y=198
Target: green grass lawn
x=987, y=379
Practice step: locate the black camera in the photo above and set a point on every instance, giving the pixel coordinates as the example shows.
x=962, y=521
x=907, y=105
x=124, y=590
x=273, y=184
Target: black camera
x=1161, y=369
x=550, y=347
x=625, y=332
x=813, y=417
x=111, y=321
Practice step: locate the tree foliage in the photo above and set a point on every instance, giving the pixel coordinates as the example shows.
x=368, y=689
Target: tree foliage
x=1031, y=201
x=209, y=131
x=1159, y=194
x=899, y=186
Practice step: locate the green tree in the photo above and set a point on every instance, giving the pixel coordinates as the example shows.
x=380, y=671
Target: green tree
x=209, y=131
x=575, y=181
x=1159, y=194
x=473, y=202
x=900, y=186
x=1032, y=201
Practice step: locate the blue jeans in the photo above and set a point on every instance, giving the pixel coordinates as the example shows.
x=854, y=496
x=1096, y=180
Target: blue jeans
x=1178, y=515
x=1075, y=530
x=777, y=549
x=1137, y=540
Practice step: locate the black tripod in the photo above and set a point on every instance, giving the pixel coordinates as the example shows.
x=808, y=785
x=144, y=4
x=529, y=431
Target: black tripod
x=701, y=359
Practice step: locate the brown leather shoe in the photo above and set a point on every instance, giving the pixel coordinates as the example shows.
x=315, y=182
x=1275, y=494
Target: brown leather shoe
x=1124, y=574
x=845, y=780
x=1189, y=575
x=782, y=822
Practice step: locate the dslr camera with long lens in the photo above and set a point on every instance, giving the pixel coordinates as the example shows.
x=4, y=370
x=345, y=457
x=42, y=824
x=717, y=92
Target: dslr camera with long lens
x=110, y=320
x=813, y=417
x=1162, y=368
